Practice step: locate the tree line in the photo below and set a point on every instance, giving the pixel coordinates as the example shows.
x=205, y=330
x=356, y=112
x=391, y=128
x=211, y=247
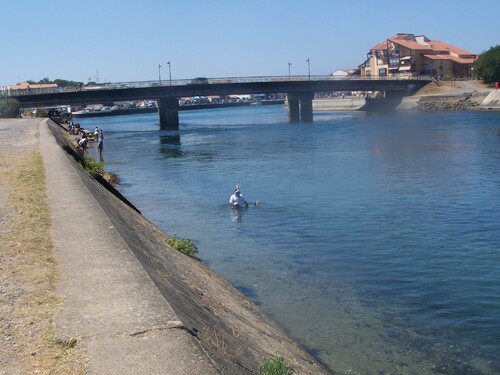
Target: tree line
x=58, y=82
x=487, y=66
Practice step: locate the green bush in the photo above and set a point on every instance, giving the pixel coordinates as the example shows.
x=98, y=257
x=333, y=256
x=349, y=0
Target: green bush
x=9, y=107
x=274, y=366
x=184, y=245
x=487, y=65
x=93, y=167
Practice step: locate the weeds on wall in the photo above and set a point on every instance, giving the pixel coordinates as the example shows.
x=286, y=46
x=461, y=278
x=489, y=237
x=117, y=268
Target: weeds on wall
x=184, y=245
x=274, y=366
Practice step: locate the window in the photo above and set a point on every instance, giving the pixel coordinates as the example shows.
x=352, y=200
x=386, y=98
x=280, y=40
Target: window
x=382, y=72
x=394, y=61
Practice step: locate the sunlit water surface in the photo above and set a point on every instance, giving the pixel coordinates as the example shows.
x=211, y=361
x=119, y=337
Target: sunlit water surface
x=377, y=241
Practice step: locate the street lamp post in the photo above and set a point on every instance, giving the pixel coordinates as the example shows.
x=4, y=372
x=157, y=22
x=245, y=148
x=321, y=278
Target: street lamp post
x=308, y=69
x=159, y=74
x=289, y=71
x=169, y=73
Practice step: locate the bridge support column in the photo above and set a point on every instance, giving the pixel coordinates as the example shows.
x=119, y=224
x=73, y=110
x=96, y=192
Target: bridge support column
x=306, y=107
x=168, y=113
x=293, y=109
x=300, y=107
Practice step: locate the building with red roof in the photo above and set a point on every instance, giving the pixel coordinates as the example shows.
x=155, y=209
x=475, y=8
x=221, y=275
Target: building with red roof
x=27, y=86
x=407, y=55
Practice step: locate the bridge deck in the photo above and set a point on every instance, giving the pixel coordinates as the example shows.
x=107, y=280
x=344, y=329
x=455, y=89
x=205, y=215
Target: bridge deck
x=124, y=92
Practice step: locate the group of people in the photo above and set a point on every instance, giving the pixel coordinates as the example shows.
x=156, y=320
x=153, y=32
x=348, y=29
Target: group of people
x=83, y=142
x=73, y=128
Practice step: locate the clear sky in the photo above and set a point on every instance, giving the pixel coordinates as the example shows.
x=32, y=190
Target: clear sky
x=126, y=40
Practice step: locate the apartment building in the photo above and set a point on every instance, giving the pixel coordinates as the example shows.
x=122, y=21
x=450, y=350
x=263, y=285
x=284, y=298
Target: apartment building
x=407, y=54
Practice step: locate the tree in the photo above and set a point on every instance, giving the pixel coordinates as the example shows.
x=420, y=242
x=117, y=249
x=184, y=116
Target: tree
x=66, y=83
x=58, y=82
x=9, y=107
x=487, y=65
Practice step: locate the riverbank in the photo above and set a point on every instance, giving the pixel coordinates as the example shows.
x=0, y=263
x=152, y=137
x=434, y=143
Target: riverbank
x=453, y=95
x=446, y=95
x=134, y=304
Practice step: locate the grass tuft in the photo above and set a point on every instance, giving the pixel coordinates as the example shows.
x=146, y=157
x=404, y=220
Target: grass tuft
x=184, y=245
x=274, y=366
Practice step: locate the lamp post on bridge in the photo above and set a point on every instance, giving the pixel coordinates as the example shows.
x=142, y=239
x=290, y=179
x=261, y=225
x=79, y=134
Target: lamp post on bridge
x=169, y=73
x=308, y=69
x=289, y=71
x=159, y=74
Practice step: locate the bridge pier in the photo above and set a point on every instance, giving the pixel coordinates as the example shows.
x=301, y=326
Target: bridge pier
x=300, y=107
x=168, y=113
x=293, y=109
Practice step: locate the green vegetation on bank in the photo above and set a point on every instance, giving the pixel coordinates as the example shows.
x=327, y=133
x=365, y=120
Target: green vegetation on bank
x=274, y=366
x=9, y=107
x=487, y=66
x=94, y=168
x=184, y=245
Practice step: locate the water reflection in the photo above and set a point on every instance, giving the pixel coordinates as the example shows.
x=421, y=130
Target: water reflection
x=237, y=216
x=170, y=145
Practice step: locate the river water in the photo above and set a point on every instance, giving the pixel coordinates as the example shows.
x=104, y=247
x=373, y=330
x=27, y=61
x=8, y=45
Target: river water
x=376, y=243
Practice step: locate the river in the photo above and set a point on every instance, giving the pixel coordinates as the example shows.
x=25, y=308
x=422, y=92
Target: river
x=376, y=243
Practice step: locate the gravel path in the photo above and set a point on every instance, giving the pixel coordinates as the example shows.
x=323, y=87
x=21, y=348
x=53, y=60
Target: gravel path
x=18, y=137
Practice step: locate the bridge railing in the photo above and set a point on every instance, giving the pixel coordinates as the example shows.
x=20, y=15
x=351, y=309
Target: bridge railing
x=4, y=91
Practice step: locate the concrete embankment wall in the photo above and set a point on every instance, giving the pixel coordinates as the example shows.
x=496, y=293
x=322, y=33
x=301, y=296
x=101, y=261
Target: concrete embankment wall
x=232, y=330
x=338, y=104
x=492, y=101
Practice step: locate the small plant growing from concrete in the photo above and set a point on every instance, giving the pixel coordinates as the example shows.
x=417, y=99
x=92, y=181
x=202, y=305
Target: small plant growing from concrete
x=93, y=167
x=184, y=245
x=274, y=366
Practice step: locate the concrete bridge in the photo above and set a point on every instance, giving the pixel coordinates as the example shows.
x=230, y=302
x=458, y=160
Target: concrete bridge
x=300, y=92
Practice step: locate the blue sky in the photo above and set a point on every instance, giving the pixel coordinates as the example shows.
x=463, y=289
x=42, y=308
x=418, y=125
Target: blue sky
x=125, y=40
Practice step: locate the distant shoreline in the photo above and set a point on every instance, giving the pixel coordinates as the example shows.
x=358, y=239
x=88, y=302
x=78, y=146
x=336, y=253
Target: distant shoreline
x=134, y=111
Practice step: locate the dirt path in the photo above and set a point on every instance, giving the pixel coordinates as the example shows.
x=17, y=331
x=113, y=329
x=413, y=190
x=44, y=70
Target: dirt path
x=452, y=88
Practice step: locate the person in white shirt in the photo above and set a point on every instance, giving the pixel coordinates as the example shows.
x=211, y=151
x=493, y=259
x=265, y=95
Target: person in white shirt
x=236, y=200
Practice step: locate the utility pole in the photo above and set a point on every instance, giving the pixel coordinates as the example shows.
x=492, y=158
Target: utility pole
x=169, y=73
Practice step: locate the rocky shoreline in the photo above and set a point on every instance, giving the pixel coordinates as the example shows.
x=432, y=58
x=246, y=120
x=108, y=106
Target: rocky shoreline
x=447, y=104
